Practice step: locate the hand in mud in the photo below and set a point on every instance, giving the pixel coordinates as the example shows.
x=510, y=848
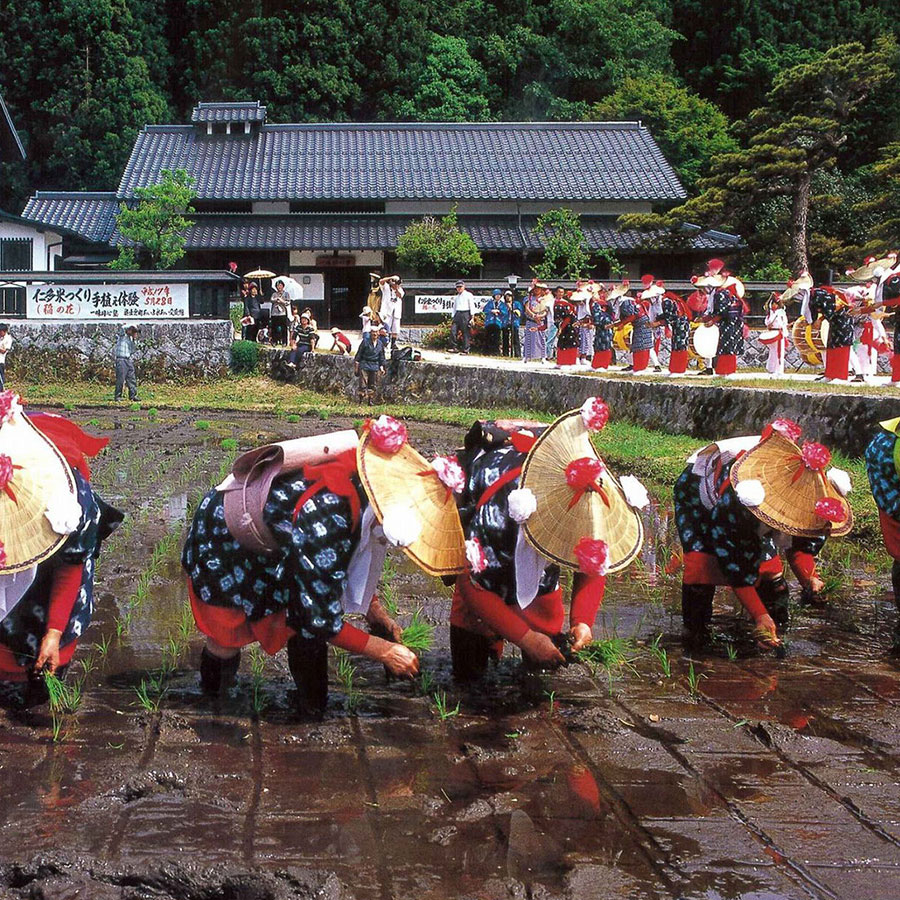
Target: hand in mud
x=401, y=661
x=581, y=636
x=815, y=587
x=540, y=649
x=765, y=633
x=382, y=624
x=48, y=655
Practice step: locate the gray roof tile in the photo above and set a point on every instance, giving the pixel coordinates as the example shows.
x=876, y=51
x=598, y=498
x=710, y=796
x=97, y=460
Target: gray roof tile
x=229, y=112
x=581, y=161
x=90, y=214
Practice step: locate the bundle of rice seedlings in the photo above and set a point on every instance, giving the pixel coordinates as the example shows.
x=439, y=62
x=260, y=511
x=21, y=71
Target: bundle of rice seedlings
x=419, y=634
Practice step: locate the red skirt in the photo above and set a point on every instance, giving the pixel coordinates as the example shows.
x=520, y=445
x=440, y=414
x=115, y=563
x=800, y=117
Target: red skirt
x=602, y=359
x=726, y=364
x=895, y=367
x=10, y=670
x=567, y=357
x=230, y=628
x=678, y=362
x=890, y=531
x=640, y=359
x=837, y=362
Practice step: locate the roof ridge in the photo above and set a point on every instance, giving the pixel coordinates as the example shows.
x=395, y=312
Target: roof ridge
x=73, y=195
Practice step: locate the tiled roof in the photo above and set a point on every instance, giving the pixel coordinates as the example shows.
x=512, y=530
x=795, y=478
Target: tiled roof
x=381, y=232
x=581, y=161
x=229, y=112
x=10, y=143
x=91, y=215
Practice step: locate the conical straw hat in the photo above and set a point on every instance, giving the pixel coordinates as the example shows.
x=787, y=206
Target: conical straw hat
x=867, y=271
x=40, y=476
x=803, y=282
x=791, y=489
x=553, y=528
x=404, y=483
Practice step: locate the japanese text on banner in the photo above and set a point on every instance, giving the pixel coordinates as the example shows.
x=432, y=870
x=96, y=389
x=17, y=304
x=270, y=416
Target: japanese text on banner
x=102, y=302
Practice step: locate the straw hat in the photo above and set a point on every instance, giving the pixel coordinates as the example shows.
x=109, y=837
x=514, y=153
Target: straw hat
x=412, y=500
x=620, y=290
x=737, y=284
x=564, y=517
x=803, y=282
x=868, y=269
x=782, y=486
x=38, y=488
x=710, y=280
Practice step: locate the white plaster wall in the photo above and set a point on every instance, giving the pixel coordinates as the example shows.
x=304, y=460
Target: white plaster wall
x=271, y=207
x=481, y=207
x=42, y=240
x=307, y=258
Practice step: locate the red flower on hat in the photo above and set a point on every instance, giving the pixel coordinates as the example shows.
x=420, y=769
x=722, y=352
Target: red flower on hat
x=831, y=509
x=815, y=456
x=581, y=474
x=785, y=427
x=595, y=414
x=388, y=434
x=592, y=556
x=6, y=476
x=2, y=554
x=646, y=280
x=9, y=405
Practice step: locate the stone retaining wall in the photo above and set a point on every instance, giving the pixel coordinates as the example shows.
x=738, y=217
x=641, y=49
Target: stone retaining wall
x=170, y=350
x=843, y=421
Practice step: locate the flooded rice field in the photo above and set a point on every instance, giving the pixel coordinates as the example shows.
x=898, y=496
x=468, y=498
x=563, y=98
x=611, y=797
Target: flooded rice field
x=727, y=775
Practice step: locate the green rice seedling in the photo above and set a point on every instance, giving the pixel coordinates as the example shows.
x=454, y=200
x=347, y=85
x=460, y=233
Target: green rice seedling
x=148, y=698
x=693, y=681
x=442, y=706
x=229, y=444
x=94, y=423
x=153, y=412
x=202, y=425
x=103, y=646
x=551, y=706
x=323, y=414
x=426, y=681
x=88, y=663
x=346, y=674
x=387, y=593
x=65, y=698
x=185, y=623
x=659, y=653
x=731, y=651
x=68, y=406
x=610, y=653
x=134, y=407
x=171, y=653
x=257, y=670
x=419, y=634
x=292, y=419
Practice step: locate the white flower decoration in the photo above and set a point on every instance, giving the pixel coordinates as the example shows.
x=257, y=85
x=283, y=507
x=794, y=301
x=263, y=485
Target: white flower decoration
x=475, y=555
x=751, y=492
x=400, y=528
x=450, y=473
x=522, y=503
x=63, y=513
x=635, y=493
x=840, y=479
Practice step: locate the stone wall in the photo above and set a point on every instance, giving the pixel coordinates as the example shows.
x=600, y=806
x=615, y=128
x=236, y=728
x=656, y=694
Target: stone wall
x=844, y=421
x=59, y=350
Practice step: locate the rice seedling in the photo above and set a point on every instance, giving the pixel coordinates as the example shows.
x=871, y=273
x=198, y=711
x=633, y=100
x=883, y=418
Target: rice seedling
x=551, y=706
x=134, y=407
x=151, y=691
x=693, y=681
x=185, y=623
x=419, y=634
x=731, y=651
x=659, y=653
x=202, y=425
x=257, y=670
x=426, y=681
x=346, y=675
x=65, y=698
x=171, y=653
x=386, y=590
x=610, y=653
x=229, y=444
x=103, y=646
x=88, y=664
x=152, y=413
x=442, y=706
x=292, y=419
x=323, y=414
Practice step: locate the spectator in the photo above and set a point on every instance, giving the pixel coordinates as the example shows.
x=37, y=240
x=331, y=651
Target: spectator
x=6, y=342
x=303, y=339
x=369, y=363
x=366, y=319
x=281, y=305
x=391, y=305
x=125, y=371
x=312, y=319
x=463, y=308
x=496, y=314
x=255, y=301
x=516, y=315
x=252, y=312
x=340, y=342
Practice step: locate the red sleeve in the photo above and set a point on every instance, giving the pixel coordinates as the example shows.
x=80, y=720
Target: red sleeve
x=494, y=611
x=587, y=596
x=803, y=564
x=750, y=601
x=63, y=593
x=350, y=638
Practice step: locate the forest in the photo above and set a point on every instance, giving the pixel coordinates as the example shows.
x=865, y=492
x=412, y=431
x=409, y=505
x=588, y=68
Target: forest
x=759, y=104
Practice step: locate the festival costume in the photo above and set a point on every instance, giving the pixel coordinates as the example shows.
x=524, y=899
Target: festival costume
x=602, y=315
x=46, y=582
x=582, y=301
x=884, y=480
x=567, y=334
x=534, y=345
x=776, y=320
x=831, y=305
x=728, y=314
x=730, y=524
x=635, y=312
x=676, y=315
x=511, y=586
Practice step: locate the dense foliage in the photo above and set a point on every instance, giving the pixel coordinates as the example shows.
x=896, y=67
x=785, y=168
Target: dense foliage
x=81, y=77
x=565, y=246
x=437, y=247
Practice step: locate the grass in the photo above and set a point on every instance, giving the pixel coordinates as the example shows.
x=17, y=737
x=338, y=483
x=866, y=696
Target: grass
x=419, y=634
x=202, y=425
x=229, y=444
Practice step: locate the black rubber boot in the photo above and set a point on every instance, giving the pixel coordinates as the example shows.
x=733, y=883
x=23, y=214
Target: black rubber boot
x=469, y=654
x=217, y=674
x=776, y=597
x=696, y=613
x=308, y=662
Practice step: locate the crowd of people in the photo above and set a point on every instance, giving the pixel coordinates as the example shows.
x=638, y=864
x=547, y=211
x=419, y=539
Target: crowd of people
x=588, y=326
x=295, y=539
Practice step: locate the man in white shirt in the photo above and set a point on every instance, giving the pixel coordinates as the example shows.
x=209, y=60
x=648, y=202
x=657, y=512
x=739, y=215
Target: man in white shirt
x=391, y=306
x=463, y=310
x=5, y=345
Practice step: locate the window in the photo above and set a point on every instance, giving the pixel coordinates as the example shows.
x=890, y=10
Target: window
x=16, y=254
x=209, y=301
x=12, y=302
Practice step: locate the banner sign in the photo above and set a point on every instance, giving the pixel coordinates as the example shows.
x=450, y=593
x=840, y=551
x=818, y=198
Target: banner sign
x=443, y=305
x=102, y=302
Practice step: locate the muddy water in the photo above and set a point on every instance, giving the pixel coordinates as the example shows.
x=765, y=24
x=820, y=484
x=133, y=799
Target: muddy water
x=661, y=777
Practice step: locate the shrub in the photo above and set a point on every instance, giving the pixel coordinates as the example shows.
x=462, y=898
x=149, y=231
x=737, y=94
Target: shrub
x=292, y=418
x=202, y=425
x=229, y=444
x=244, y=356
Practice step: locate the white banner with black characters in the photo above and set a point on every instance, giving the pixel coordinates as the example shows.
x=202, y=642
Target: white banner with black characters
x=105, y=302
x=443, y=305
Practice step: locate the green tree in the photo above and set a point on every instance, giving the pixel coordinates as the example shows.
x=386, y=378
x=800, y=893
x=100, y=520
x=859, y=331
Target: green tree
x=437, y=247
x=798, y=133
x=883, y=205
x=566, y=252
x=155, y=226
x=690, y=131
